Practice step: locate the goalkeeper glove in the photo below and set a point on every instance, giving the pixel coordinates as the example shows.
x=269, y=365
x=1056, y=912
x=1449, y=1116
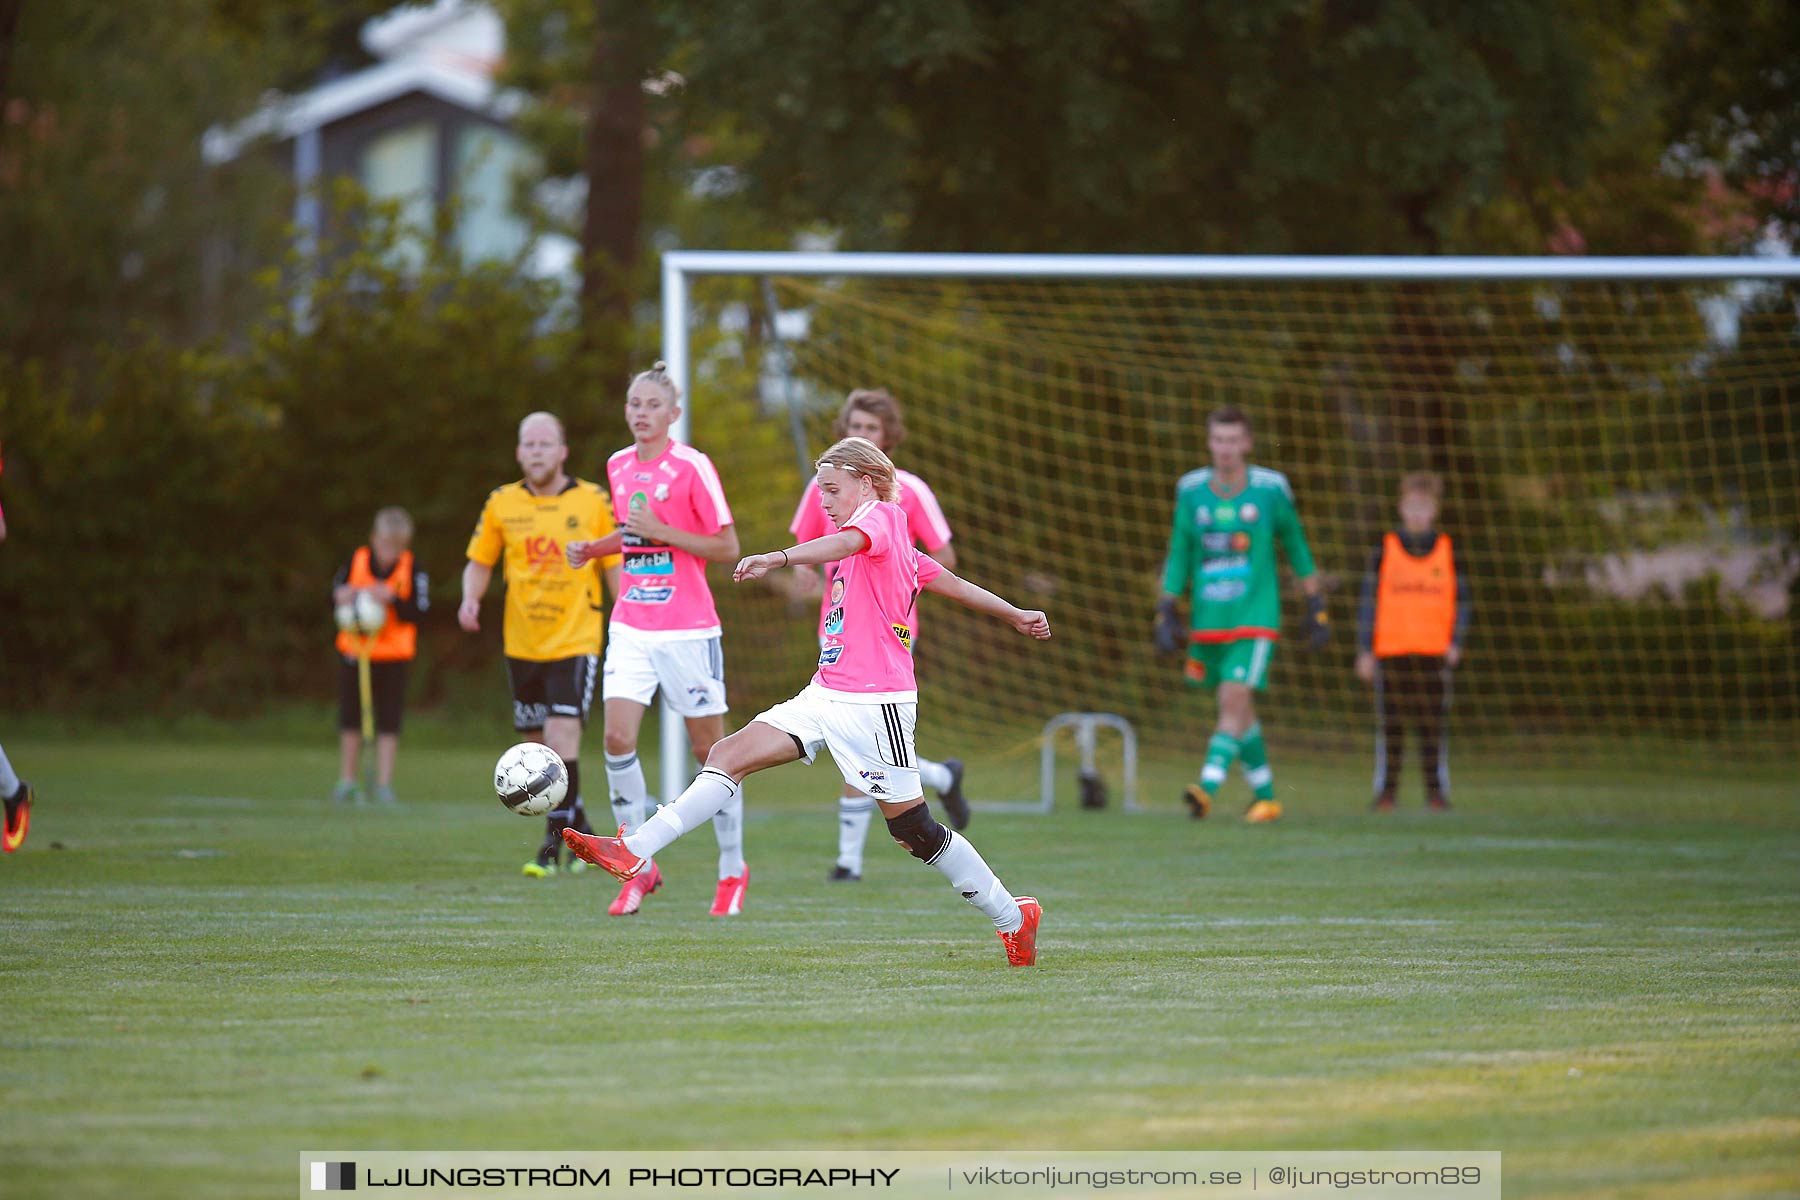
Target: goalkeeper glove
x=1169, y=633
x=1318, y=623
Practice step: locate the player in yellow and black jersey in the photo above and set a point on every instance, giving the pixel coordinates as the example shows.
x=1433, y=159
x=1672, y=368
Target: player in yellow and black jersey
x=555, y=614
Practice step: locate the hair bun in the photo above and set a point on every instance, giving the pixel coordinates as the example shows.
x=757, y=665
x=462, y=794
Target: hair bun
x=660, y=365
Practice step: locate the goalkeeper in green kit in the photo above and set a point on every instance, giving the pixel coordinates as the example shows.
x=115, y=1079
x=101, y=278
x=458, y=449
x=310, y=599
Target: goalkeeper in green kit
x=1228, y=519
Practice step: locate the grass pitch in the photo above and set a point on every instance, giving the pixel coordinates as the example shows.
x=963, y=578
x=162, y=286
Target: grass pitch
x=207, y=969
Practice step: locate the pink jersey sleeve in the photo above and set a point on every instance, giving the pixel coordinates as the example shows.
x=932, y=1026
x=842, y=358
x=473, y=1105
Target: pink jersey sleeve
x=810, y=520
x=923, y=516
x=874, y=523
x=708, y=495
x=928, y=567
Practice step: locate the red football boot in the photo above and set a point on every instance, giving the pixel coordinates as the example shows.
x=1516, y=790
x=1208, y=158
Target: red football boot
x=608, y=853
x=1021, y=944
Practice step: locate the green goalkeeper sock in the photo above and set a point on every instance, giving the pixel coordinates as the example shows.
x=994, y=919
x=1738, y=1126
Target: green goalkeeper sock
x=1255, y=757
x=1219, y=753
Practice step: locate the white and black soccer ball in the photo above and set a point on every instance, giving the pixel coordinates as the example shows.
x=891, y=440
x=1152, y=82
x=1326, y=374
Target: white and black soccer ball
x=371, y=613
x=530, y=779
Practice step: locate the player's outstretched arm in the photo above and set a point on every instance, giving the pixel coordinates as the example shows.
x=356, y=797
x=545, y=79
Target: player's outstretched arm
x=1028, y=621
x=580, y=554
x=713, y=547
x=830, y=548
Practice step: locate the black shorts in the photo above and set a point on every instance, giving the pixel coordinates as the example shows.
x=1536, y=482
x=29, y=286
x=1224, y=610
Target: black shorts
x=562, y=687
x=387, y=688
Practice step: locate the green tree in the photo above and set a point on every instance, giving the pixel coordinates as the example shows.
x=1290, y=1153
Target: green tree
x=9, y=25
x=1730, y=82
x=587, y=61
x=1378, y=126
x=106, y=207
x=176, y=514
x=1293, y=126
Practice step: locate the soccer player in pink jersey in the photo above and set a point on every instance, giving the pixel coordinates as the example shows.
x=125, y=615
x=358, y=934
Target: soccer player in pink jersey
x=874, y=414
x=664, y=632
x=862, y=702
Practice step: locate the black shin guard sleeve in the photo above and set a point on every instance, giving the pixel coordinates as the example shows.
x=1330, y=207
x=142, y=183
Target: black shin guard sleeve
x=569, y=810
x=919, y=832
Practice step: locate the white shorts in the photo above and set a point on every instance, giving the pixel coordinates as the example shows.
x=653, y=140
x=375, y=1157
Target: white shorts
x=690, y=671
x=872, y=744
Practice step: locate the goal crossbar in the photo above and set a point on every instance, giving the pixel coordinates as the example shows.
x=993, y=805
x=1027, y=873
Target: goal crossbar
x=1220, y=266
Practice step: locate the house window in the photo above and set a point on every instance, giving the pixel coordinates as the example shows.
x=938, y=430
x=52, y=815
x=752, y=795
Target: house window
x=401, y=165
x=488, y=163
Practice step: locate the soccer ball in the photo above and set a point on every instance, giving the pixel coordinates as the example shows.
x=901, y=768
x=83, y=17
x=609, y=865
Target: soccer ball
x=531, y=779
x=371, y=614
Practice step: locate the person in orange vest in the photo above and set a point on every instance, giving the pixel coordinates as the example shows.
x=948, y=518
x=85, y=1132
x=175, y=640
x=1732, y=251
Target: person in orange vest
x=385, y=568
x=1415, y=611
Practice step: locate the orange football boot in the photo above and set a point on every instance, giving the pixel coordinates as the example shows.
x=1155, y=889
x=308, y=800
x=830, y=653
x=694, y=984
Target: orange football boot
x=1021, y=944
x=728, y=901
x=18, y=818
x=607, y=853
x=631, y=896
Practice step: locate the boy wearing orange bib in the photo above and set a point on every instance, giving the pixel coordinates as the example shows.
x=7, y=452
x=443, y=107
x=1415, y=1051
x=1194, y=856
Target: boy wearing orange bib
x=386, y=568
x=1410, y=627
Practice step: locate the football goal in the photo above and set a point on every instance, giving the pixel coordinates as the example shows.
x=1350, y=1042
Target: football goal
x=1618, y=442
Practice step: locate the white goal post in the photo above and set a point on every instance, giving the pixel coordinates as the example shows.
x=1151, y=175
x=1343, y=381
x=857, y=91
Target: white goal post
x=680, y=267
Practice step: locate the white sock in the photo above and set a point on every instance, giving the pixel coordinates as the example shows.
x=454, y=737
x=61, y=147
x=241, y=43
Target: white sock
x=9, y=778
x=855, y=815
x=934, y=775
x=728, y=827
x=711, y=791
x=969, y=874
x=630, y=794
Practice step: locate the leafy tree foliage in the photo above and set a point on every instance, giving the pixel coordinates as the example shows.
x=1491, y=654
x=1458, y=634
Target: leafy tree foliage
x=1730, y=79
x=107, y=212
x=1293, y=126
x=175, y=515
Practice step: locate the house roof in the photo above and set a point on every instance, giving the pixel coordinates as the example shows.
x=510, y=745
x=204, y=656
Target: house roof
x=285, y=117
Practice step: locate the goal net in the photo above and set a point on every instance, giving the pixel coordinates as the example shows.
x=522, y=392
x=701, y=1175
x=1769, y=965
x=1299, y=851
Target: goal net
x=1620, y=459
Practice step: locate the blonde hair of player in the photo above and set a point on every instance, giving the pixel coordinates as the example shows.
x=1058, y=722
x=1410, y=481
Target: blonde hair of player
x=394, y=522
x=659, y=375
x=861, y=457
x=1422, y=483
